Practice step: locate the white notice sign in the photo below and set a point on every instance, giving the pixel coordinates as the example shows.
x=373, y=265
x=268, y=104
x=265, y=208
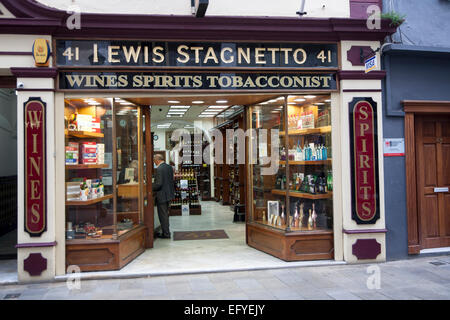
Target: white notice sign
x=394, y=147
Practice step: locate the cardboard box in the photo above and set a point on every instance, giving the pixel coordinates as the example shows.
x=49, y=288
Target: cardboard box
x=84, y=122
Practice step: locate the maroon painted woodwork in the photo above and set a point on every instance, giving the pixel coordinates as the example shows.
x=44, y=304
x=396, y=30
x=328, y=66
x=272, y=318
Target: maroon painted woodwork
x=357, y=54
x=35, y=264
x=35, y=167
x=38, y=19
x=361, y=75
x=34, y=72
x=364, y=161
x=366, y=249
x=36, y=245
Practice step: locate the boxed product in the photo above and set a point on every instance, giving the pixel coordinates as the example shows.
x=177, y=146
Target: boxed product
x=88, y=153
x=100, y=153
x=72, y=153
x=73, y=190
x=95, y=125
x=308, y=120
x=84, y=122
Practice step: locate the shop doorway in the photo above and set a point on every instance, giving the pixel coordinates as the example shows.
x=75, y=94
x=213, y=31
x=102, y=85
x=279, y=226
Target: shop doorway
x=8, y=170
x=433, y=179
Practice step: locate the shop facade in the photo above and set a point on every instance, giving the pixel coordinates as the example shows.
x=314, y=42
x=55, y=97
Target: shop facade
x=282, y=57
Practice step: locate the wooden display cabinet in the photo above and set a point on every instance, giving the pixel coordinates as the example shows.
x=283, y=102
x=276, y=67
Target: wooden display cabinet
x=96, y=242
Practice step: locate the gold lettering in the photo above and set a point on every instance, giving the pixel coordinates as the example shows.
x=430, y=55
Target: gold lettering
x=364, y=145
x=35, y=211
x=197, y=81
x=258, y=81
x=35, y=190
x=112, y=53
x=222, y=55
x=145, y=54
x=210, y=54
x=366, y=194
x=183, y=53
x=245, y=55
x=304, y=55
x=259, y=56
x=271, y=84
x=123, y=80
x=363, y=111
x=366, y=207
x=364, y=172
x=238, y=82
x=35, y=143
x=197, y=53
x=95, y=60
x=249, y=83
x=363, y=127
x=364, y=161
x=272, y=51
x=131, y=52
x=286, y=56
x=35, y=165
x=326, y=81
x=158, y=52
x=315, y=81
x=137, y=81
x=76, y=79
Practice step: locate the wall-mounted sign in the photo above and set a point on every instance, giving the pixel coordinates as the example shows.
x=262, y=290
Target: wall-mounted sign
x=126, y=53
x=394, y=147
x=188, y=81
x=370, y=64
x=364, y=161
x=35, y=167
x=41, y=52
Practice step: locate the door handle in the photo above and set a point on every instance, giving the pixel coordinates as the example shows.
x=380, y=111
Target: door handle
x=443, y=189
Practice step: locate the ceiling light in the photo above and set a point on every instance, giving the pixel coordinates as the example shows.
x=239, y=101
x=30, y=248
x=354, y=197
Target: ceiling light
x=319, y=103
x=310, y=97
x=173, y=101
x=328, y=100
x=301, y=100
x=180, y=107
x=174, y=116
x=206, y=116
x=198, y=102
x=126, y=103
x=218, y=107
x=221, y=101
x=272, y=101
x=93, y=103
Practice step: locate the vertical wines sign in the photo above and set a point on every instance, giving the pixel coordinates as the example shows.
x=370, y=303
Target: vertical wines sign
x=364, y=161
x=35, y=167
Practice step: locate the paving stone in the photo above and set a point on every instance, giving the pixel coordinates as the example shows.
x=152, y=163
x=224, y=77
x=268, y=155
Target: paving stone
x=342, y=295
x=370, y=295
x=272, y=283
x=201, y=284
x=248, y=284
x=260, y=295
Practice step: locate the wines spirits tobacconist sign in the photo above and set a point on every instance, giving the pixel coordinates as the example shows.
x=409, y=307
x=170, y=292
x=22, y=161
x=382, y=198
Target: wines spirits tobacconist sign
x=364, y=161
x=126, y=65
x=35, y=167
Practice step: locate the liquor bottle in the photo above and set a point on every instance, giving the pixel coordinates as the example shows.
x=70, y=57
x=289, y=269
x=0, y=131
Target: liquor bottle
x=310, y=221
x=330, y=181
x=324, y=153
x=302, y=216
x=295, y=221
x=314, y=216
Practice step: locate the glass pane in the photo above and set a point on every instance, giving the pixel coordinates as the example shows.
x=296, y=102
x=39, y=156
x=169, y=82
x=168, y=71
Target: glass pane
x=268, y=186
x=89, y=182
x=310, y=163
x=128, y=172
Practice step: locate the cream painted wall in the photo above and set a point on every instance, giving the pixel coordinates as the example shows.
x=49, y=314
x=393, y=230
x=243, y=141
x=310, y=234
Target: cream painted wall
x=283, y=8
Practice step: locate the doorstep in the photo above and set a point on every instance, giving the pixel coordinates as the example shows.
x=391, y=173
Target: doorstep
x=120, y=274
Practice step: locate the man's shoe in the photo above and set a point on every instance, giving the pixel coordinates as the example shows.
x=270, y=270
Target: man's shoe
x=162, y=236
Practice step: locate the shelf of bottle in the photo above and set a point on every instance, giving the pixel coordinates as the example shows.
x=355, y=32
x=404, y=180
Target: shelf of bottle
x=304, y=195
x=302, y=132
x=86, y=166
x=88, y=202
x=283, y=227
x=307, y=163
x=83, y=134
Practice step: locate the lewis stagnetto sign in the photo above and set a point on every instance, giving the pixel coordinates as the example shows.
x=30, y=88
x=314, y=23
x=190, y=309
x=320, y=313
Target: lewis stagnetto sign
x=35, y=167
x=364, y=161
x=164, y=54
x=81, y=80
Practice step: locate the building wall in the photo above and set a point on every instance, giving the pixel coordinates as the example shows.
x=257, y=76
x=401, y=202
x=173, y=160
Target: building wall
x=284, y=8
x=411, y=76
x=426, y=22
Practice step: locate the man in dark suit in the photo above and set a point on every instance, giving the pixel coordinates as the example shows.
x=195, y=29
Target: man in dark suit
x=164, y=191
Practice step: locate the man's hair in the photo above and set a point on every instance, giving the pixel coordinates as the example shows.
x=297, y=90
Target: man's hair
x=158, y=157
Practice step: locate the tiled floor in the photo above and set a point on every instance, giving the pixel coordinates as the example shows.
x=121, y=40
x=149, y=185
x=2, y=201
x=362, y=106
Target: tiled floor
x=194, y=256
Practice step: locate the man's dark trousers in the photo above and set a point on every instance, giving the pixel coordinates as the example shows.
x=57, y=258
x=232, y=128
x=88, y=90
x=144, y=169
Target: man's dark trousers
x=163, y=215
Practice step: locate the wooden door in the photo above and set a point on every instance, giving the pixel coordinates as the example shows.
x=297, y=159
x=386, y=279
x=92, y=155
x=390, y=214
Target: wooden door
x=148, y=197
x=433, y=180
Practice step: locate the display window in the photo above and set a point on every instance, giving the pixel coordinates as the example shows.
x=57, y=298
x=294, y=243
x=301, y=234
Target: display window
x=104, y=169
x=295, y=195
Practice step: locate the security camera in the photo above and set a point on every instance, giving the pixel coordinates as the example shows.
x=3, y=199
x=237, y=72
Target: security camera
x=20, y=85
x=160, y=110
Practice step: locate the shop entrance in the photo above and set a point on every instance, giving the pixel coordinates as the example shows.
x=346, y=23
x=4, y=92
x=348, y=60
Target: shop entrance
x=433, y=179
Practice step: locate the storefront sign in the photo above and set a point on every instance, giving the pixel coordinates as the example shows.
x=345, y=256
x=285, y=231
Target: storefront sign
x=35, y=167
x=125, y=53
x=189, y=81
x=364, y=161
x=41, y=52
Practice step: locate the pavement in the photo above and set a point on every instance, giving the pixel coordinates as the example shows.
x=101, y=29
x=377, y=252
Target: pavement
x=423, y=278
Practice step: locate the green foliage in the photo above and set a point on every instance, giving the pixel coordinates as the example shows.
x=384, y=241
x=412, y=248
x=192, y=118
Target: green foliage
x=396, y=18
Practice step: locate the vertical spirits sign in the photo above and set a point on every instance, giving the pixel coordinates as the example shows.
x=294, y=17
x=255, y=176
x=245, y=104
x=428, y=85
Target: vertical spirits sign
x=364, y=160
x=35, y=167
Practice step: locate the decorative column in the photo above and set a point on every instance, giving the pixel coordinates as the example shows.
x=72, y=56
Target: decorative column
x=363, y=212
x=36, y=174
